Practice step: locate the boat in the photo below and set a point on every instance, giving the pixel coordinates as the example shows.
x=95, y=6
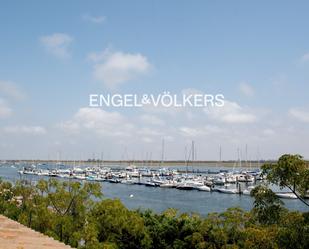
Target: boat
x=203, y=188
x=286, y=195
x=80, y=177
x=228, y=190
x=128, y=181
x=189, y=184
x=132, y=171
x=168, y=185
x=231, y=179
x=248, y=190
x=219, y=180
x=245, y=178
x=113, y=180
x=151, y=184
x=185, y=186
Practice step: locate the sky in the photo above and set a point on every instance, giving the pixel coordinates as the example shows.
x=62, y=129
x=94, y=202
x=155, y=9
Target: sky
x=53, y=54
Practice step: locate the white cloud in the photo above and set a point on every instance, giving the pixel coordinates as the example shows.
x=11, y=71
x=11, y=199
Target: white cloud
x=199, y=131
x=98, y=121
x=190, y=132
x=299, y=114
x=94, y=19
x=147, y=140
x=246, y=89
x=5, y=110
x=231, y=112
x=57, y=44
x=69, y=126
x=97, y=56
x=115, y=68
x=191, y=91
x=10, y=89
x=34, y=130
x=268, y=132
x=151, y=119
x=305, y=57
x=149, y=132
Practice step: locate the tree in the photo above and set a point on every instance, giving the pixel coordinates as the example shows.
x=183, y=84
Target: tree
x=70, y=202
x=260, y=238
x=116, y=225
x=267, y=206
x=290, y=171
x=8, y=205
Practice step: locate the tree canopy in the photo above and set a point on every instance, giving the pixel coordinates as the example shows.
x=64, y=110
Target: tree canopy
x=290, y=171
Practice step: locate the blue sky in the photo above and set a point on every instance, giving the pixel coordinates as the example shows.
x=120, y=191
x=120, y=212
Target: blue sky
x=54, y=54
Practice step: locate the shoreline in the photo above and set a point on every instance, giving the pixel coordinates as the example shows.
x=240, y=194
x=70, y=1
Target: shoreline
x=143, y=163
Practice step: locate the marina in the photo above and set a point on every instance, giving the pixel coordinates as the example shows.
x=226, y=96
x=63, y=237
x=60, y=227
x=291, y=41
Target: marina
x=222, y=181
x=214, y=190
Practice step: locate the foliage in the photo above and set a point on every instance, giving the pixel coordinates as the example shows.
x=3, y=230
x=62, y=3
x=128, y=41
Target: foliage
x=290, y=171
x=267, y=206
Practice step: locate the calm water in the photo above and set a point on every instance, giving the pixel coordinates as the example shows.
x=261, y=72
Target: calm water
x=159, y=199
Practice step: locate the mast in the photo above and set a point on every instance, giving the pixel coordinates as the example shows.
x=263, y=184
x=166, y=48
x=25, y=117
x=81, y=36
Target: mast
x=162, y=152
x=246, y=155
x=192, y=153
x=102, y=156
x=239, y=156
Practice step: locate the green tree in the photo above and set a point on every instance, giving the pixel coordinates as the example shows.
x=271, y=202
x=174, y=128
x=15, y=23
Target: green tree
x=8, y=204
x=293, y=231
x=260, y=238
x=70, y=202
x=267, y=206
x=290, y=171
x=116, y=225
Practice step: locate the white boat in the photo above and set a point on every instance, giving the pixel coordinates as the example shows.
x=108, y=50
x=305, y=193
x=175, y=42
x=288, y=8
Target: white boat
x=151, y=184
x=219, y=180
x=128, y=181
x=245, y=178
x=80, y=177
x=158, y=181
x=62, y=175
x=248, y=190
x=146, y=174
x=185, y=186
x=203, y=188
x=228, y=190
x=189, y=184
x=113, y=180
x=286, y=195
x=168, y=185
x=43, y=173
x=231, y=179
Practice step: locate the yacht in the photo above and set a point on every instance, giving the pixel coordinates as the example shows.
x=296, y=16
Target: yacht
x=168, y=184
x=245, y=178
x=220, y=180
x=286, y=195
x=248, y=190
x=203, y=188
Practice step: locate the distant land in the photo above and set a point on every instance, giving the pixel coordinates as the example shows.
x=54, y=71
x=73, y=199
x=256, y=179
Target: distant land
x=148, y=163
